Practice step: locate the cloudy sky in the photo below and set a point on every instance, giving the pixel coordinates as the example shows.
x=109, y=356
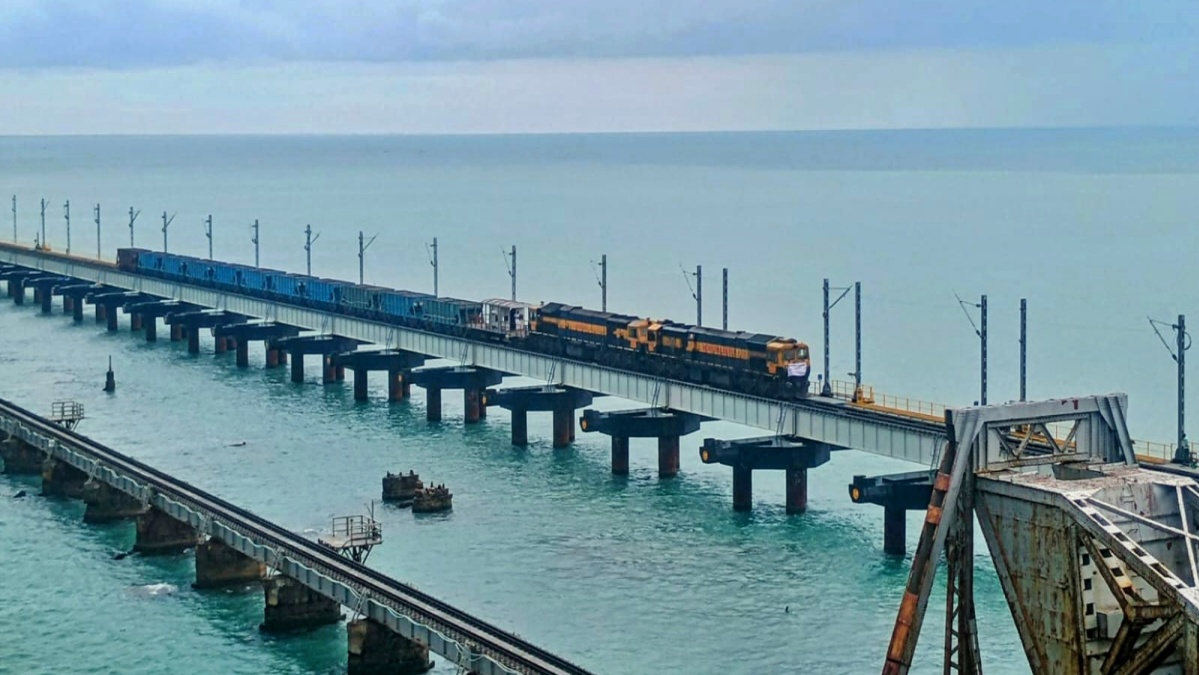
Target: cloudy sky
x=468, y=66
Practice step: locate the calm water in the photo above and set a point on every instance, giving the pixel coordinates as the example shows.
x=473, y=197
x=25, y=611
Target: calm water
x=622, y=575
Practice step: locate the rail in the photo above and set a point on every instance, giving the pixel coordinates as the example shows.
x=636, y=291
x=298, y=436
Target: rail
x=491, y=641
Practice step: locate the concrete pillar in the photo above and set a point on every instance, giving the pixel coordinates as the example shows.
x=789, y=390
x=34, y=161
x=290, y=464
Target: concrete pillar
x=620, y=456
x=520, y=428
x=21, y=459
x=77, y=309
x=242, y=348
x=106, y=504
x=37, y=295
x=160, y=534
x=398, y=387
x=60, y=479
x=282, y=357
x=176, y=332
x=135, y=321
x=272, y=356
x=101, y=312
x=360, y=384
x=297, y=367
x=339, y=373
x=563, y=424
x=18, y=296
x=151, y=326
x=218, y=565
x=193, y=339
x=111, y=316
x=43, y=295
x=743, y=488
x=220, y=345
x=797, y=490
x=291, y=605
x=433, y=404
x=374, y=649
x=470, y=398
x=328, y=370
x=668, y=456
x=482, y=404
x=68, y=303
x=895, y=530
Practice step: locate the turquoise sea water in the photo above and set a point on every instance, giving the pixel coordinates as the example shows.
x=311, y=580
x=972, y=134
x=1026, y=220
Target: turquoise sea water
x=621, y=575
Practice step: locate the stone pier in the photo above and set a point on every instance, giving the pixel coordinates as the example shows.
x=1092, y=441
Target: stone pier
x=217, y=566
x=106, y=504
x=160, y=534
x=60, y=479
x=374, y=649
x=20, y=458
x=292, y=606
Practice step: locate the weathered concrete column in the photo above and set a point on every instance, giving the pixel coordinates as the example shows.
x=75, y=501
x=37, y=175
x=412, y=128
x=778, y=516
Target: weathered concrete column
x=106, y=504
x=112, y=318
x=135, y=321
x=220, y=345
x=797, y=490
x=43, y=295
x=375, y=649
x=101, y=312
x=360, y=384
x=339, y=373
x=217, y=565
x=272, y=356
x=18, y=291
x=160, y=534
x=433, y=404
x=743, y=488
x=668, y=456
x=176, y=332
x=297, y=367
x=895, y=530
x=291, y=606
x=564, y=418
x=20, y=458
x=193, y=340
x=620, y=455
x=328, y=370
x=76, y=309
x=242, y=349
x=151, y=326
x=60, y=479
x=520, y=427
x=68, y=303
x=470, y=398
x=399, y=386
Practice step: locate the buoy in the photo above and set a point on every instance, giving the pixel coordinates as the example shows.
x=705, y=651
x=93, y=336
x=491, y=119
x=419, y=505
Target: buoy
x=110, y=380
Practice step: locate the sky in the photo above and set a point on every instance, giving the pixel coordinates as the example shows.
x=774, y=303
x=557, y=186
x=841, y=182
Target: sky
x=528, y=66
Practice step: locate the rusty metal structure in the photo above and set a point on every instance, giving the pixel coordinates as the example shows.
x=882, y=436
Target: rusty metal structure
x=1096, y=555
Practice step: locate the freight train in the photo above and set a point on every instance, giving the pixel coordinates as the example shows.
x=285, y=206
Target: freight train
x=750, y=363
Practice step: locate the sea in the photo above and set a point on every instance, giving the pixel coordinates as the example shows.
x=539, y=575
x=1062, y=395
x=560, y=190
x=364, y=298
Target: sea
x=1096, y=228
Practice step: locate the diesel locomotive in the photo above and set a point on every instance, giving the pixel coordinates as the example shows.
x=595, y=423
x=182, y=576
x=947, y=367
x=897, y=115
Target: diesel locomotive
x=751, y=363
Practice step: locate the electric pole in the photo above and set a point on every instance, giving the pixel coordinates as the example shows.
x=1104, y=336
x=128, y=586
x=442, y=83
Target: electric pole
x=1023, y=347
x=14, y=219
x=255, y=240
x=510, y=261
x=208, y=233
x=1182, y=342
x=826, y=389
x=166, y=222
x=132, y=217
x=431, y=249
x=602, y=279
x=857, y=340
x=99, y=250
x=724, y=320
x=697, y=291
x=981, y=331
x=42, y=243
x=66, y=209
x=309, y=240
x=362, y=255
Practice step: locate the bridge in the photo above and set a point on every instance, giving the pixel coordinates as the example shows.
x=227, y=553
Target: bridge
x=171, y=513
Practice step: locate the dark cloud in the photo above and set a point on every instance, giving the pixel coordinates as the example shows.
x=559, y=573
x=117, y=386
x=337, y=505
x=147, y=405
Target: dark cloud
x=133, y=33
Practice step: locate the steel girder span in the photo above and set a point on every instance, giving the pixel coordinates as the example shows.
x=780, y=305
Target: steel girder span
x=832, y=422
x=1097, y=556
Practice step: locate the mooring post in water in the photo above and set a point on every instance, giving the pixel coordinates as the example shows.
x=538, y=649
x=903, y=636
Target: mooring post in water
x=110, y=380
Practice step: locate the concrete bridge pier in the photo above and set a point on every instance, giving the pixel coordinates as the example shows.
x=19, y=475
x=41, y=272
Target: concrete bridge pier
x=67, y=304
x=791, y=454
x=300, y=346
x=101, y=313
x=193, y=321
x=106, y=504
x=472, y=381
x=107, y=303
x=562, y=402
x=292, y=606
x=176, y=331
x=394, y=362
x=218, y=566
x=238, y=336
x=399, y=385
x=72, y=299
x=16, y=287
x=135, y=321
x=60, y=479
x=897, y=493
x=20, y=458
x=665, y=425
x=375, y=649
x=160, y=534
